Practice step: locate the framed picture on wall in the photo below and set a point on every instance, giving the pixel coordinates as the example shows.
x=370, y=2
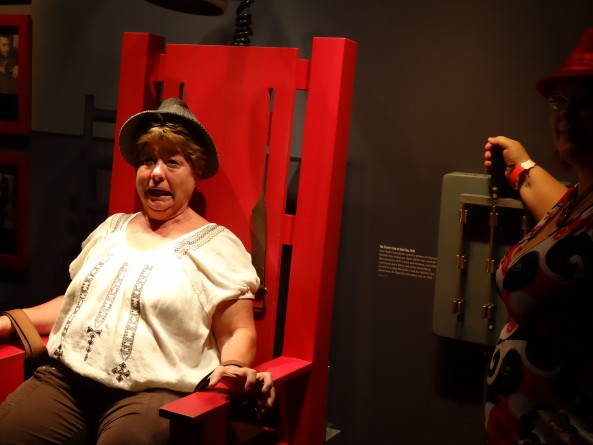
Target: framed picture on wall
x=15, y=74
x=14, y=210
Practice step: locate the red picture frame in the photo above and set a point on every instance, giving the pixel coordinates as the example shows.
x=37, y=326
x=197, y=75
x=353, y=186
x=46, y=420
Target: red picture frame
x=14, y=210
x=15, y=74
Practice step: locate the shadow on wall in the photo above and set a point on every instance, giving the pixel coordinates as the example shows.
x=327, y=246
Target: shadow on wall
x=463, y=383
x=56, y=215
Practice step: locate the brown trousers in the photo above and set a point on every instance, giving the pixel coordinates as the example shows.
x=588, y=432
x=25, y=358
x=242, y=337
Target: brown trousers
x=57, y=406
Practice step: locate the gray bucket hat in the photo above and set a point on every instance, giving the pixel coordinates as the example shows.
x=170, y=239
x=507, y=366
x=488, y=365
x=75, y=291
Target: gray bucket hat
x=175, y=111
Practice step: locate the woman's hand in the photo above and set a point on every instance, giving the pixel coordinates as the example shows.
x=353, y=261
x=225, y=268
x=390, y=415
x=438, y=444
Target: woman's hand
x=539, y=190
x=244, y=380
x=512, y=151
x=234, y=330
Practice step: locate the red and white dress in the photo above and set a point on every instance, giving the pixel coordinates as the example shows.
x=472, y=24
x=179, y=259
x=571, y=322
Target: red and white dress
x=540, y=376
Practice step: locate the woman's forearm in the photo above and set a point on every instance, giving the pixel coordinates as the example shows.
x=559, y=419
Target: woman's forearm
x=540, y=191
x=42, y=316
x=240, y=346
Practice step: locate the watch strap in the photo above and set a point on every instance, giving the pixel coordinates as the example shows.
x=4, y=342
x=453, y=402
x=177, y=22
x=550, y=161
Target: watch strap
x=516, y=176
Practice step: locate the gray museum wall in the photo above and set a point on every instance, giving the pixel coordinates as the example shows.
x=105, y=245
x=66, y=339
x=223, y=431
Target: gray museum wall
x=434, y=79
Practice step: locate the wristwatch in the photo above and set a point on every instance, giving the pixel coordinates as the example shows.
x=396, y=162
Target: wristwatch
x=517, y=176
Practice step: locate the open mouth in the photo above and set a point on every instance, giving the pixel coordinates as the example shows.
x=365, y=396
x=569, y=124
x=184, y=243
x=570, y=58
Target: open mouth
x=157, y=193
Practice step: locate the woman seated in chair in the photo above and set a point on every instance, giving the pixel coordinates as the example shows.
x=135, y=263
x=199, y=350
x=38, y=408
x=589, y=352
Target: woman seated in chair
x=159, y=303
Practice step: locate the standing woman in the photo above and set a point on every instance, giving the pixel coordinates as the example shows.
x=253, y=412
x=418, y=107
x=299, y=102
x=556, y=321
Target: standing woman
x=159, y=302
x=540, y=378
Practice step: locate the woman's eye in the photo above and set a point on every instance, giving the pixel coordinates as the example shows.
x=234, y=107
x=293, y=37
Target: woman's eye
x=147, y=161
x=172, y=162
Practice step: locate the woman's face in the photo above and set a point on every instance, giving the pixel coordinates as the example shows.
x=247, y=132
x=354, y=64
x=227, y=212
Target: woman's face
x=572, y=123
x=165, y=180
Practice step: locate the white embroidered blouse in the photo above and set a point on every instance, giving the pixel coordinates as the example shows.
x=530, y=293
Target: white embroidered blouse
x=139, y=319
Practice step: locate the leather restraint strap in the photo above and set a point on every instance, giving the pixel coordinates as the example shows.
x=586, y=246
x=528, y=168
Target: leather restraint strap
x=30, y=338
x=258, y=252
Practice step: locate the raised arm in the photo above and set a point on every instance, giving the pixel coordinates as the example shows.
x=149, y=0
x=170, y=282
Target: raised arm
x=539, y=190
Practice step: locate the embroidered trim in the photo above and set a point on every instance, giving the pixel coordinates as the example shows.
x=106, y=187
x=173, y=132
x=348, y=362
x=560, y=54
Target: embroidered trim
x=86, y=284
x=132, y=325
x=117, y=223
x=197, y=240
x=121, y=371
x=92, y=333
x=105, y=308
x=110, y=298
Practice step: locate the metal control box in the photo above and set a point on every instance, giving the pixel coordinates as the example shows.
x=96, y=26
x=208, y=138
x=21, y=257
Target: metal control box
x=475, y=231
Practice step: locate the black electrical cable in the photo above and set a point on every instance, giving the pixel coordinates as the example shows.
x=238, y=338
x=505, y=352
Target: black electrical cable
x=243, y=24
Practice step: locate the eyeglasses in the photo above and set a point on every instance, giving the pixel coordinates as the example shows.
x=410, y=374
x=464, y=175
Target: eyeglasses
x=559, y=103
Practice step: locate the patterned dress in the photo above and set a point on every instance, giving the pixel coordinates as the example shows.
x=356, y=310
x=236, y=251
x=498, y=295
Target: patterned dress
x=540, y=376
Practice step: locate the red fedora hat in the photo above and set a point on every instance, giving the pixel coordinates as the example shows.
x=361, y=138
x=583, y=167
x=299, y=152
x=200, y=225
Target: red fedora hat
x=578, y=64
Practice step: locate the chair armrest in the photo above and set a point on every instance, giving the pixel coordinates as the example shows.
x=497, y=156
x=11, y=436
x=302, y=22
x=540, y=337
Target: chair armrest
x=196, y=405
x=9, y=353
x=12, y=369
x=285, y=368
x=205, y=413
x=200, y=417
x=12, y=366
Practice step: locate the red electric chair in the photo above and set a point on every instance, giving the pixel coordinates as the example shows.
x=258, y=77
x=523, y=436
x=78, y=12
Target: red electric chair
x=247, y=98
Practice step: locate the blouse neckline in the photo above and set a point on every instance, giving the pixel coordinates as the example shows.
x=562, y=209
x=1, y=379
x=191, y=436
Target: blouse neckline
x=166, y=245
